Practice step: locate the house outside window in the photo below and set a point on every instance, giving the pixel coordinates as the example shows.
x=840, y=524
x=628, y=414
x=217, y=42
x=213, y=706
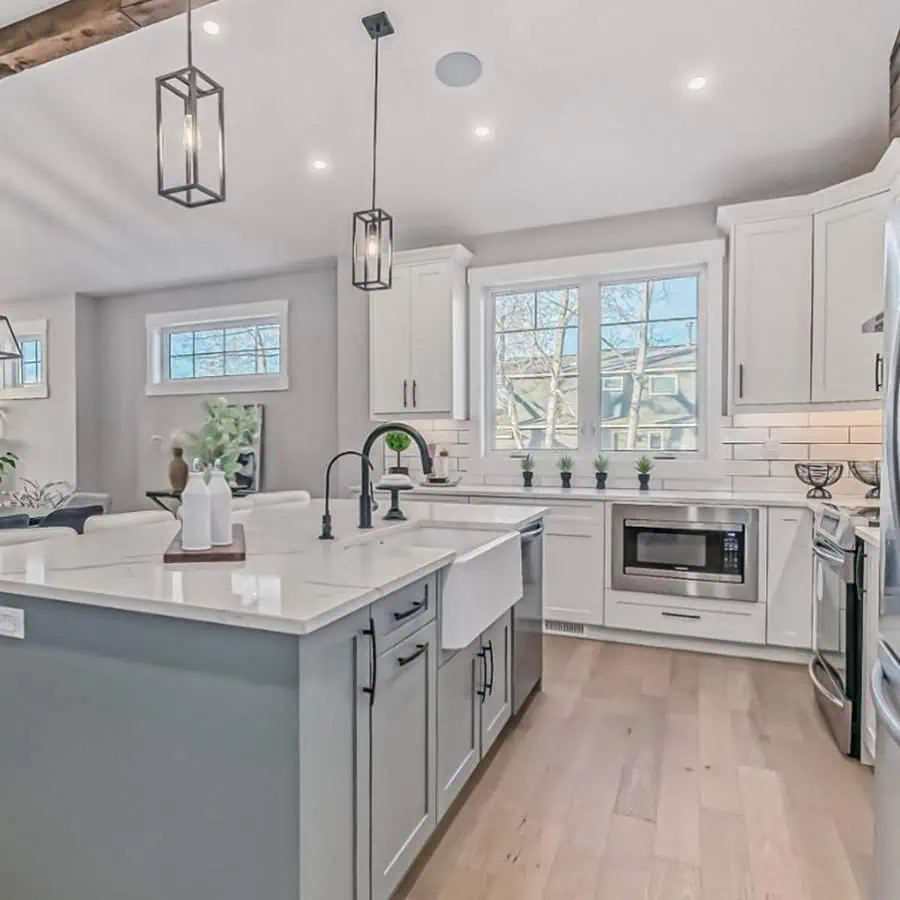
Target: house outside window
x=617, y=353
x=26, y=378
x=218, y=350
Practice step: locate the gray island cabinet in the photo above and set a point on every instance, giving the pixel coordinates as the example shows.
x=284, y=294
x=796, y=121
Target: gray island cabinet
x=145, y=757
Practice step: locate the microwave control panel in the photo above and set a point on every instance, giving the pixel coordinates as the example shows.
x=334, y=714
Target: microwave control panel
x=732, y=553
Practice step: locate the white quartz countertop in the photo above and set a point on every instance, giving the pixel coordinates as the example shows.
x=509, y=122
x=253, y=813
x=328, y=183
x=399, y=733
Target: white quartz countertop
x=551, y=493
x=291, y=582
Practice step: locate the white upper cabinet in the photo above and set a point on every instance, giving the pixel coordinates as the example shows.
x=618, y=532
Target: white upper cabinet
x=848, y=288
x=417, y=337
x=806, y=272
x=771, y=303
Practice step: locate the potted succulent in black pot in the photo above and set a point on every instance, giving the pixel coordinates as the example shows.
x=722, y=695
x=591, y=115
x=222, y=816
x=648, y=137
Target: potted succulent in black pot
x=399, y=442
x=528, y=470
x=601, y=465
x=566, y=464
x=644, y=467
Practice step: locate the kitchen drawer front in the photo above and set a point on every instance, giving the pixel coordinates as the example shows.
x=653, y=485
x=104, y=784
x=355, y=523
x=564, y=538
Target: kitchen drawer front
x=400, y=614
x=746, y=625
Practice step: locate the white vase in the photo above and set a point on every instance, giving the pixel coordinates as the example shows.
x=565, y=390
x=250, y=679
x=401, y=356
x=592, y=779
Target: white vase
x=196, y=524
x=220, y=509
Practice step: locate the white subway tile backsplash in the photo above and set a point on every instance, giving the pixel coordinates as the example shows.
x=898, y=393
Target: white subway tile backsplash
x=846, y=417
x=769, y=484
x=781, y=451
x=843, y=452
x=865, y=434
x=747, y=467
x=770, y=420
x=811, y=435
x=744, y=435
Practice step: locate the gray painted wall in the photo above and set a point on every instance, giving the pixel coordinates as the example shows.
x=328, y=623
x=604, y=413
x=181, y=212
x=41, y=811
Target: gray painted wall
x=145, y=758
x=88, y=385
x=650, y=229
x=300, y=424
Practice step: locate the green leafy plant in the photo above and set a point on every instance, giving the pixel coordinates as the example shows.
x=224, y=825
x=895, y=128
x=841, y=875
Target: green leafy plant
x=8, y=463
x=601, y=463
x=527, y=463
x=229, y=429
x=566, y=464
x=398, y=442
x=644, y=465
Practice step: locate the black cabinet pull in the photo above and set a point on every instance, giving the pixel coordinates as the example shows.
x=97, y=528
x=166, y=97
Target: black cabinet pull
x=414, y=393
x=373, y=664
x=404, y=392
x=406, y=660
x=879, y=372
x=740, y=381
x=490, y=684
x=418, y=606
x=672, y=615
x=482, y=691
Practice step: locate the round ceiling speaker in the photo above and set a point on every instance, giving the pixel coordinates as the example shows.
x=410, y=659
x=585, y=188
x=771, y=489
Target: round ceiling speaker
x=458, y=69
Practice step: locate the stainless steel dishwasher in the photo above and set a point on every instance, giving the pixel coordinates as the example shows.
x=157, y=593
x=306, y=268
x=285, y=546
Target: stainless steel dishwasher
x=528, y=619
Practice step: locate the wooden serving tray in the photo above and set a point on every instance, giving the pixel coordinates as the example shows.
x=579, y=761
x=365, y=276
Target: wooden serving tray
x=236, y=551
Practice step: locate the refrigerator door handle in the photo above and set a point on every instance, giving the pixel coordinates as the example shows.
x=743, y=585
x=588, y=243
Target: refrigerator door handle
x=891, y=449
x=886, y=711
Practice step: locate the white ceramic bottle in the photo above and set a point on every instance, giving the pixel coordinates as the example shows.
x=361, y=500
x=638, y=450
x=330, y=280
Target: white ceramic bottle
x=195, y=512
x=220, y=507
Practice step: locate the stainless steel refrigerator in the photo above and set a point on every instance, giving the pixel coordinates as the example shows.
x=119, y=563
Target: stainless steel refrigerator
x=885, y=677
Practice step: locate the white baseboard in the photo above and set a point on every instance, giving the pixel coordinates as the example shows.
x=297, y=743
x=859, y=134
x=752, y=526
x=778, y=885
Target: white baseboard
x=677, y=642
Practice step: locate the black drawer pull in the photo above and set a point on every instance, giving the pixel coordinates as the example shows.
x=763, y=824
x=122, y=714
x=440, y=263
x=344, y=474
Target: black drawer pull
x=490, y=684
x=416, y=607
x=373, y=664
x=406, y=660
x=483, y=690
x=671, y=615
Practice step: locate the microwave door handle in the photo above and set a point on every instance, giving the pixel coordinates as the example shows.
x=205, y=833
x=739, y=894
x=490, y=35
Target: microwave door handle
x=891, y=448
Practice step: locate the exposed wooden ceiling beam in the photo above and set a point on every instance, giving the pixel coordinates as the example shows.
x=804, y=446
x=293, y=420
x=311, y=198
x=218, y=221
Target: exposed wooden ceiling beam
x=76, y=25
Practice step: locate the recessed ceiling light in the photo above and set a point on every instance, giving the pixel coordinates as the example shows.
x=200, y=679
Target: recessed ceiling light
x=320, y=165
x=482, y=131
x=211, y=27
x=458, y=69
x=697, y=83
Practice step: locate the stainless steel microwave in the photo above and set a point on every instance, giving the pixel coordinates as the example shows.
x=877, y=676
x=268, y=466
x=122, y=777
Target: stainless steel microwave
x=690, y=551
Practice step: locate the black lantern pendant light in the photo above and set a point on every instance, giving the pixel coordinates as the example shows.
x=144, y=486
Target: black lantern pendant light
x=9, y=343
x=190, y=133
x=373, y=229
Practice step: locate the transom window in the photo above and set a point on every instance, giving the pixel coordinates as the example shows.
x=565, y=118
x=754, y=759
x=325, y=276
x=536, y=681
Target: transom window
x=600, y=364
x=218, y=350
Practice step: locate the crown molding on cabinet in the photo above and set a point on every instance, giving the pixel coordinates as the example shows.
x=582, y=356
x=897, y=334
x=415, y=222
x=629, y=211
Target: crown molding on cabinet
x=452, y=253
x=884, y=177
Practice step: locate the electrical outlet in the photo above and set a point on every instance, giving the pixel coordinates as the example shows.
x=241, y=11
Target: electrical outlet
x=12, y=622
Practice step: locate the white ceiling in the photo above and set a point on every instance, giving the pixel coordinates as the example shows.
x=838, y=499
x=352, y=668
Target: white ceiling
x=586, y=96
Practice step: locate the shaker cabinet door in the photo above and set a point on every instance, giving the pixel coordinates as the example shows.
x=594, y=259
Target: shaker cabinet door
x=496, y=705
x=431, y=349
x=404, y=732
x=389, y=347
x=771, y=311
x=848, y=289
x=789, y=612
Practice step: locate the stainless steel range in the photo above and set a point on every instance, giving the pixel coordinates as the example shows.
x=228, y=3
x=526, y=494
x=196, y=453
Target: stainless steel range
x=836, y=666
x=689, y=551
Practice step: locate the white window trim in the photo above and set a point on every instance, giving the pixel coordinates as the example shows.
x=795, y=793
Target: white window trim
x=36, y=328
x=159, y=324
x=589, y=271
x=617, y=378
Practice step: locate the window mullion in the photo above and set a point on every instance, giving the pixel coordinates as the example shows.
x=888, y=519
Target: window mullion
x=588, y=368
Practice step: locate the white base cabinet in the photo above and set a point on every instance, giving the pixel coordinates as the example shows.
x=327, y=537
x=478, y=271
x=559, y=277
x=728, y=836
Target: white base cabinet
x=474, y=705
x=789, y=601
x=574, y=554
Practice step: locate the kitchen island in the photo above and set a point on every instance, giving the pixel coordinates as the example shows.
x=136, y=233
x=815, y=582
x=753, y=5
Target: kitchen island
x=266, y=729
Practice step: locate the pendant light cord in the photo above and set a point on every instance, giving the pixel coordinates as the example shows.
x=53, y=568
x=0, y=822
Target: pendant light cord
x=190, y=34
x=375, y=125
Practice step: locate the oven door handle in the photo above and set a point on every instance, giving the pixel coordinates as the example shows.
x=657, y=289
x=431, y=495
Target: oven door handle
x=885, y=708
x=828, y=556
x=826, y=692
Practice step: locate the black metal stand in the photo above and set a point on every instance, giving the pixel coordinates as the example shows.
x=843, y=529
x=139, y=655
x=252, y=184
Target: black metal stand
x=395, y=514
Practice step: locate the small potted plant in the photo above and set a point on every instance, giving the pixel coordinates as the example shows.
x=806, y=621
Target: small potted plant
x=601, y=465
x=398, y=442
x=528, y=470
x=8, y=463
x=644, y=467
x=566, y=464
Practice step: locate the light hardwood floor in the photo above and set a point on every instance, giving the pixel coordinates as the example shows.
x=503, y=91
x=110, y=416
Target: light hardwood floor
x=645, y=774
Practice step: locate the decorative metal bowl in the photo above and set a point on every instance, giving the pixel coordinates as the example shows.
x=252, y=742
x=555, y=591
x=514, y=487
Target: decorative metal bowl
x=819, y=476
x=868, y=472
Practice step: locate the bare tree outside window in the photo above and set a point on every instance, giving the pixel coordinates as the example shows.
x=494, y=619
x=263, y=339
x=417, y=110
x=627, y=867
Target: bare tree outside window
x=536, y=369
x=648, y=339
